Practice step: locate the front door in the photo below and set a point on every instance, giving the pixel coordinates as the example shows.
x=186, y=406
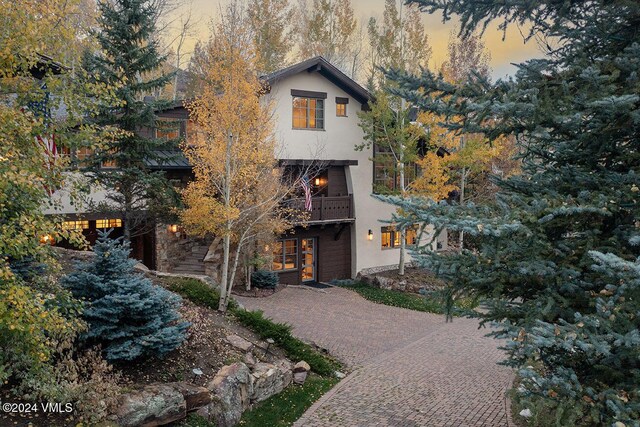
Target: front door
x=309, y=260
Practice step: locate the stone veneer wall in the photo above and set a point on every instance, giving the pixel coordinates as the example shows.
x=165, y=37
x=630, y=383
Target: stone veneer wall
x=172, y=248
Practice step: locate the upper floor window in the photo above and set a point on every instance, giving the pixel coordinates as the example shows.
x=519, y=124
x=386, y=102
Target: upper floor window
x=308, y=113
x=170, y=129
x=341, y=106
x=386, y=173
x=308, y=109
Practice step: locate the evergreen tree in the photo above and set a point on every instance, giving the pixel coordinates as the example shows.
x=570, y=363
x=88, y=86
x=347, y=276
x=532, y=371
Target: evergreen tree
x=556, y=256
x=126, y=313
x=128, y=58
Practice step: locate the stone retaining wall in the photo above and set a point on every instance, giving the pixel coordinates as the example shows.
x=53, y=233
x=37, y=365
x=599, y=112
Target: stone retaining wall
x=223, y=400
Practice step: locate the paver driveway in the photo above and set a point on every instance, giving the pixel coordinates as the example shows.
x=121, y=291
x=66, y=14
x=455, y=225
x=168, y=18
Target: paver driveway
x=409, y=368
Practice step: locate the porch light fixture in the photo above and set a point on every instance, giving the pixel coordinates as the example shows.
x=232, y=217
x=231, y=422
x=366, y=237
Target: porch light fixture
x=317, y=182
x=47, y=239
x=370, y=235
x=173, y=228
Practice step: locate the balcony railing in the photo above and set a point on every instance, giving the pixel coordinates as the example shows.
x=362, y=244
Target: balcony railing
x=326, y=208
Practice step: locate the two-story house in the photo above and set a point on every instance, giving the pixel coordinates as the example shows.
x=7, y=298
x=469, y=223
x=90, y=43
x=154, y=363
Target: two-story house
x=316, y=108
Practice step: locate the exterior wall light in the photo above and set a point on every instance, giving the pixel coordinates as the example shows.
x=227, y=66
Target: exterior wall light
x=173, y=228
x=317, y=182
x=47, y=239
x=370, y=235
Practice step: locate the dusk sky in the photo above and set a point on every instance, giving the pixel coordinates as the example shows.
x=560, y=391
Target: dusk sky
x=503, y=53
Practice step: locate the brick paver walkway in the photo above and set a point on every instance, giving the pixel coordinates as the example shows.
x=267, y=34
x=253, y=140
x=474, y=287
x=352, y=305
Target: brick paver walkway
x=409, y=368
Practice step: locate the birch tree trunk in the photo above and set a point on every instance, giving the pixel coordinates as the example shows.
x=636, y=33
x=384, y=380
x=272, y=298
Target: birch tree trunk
x=463, y=181
x=224, y=282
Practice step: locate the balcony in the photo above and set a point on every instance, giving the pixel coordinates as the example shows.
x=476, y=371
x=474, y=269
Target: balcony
x=326, y=209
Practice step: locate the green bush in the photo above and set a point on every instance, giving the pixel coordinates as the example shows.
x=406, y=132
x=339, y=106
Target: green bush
x=281, y=334
x=264, y=279
x=197, y=292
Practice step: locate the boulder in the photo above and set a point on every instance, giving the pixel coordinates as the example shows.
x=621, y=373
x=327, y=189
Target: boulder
x=154, y=405
x=194, y=396
x=366, y=279
x=232, y=390
x=250, y=359
x=270, y=379
x=299, y=377
x=239, y=342
x=301, y=366
x=340, y=375
x=385, y=282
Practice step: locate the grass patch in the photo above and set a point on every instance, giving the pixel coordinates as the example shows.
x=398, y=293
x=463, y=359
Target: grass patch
x=280, y=410
x=285, y=408
x=281, y=333
x=426, y=303
x=194, y=420
x=197, y=292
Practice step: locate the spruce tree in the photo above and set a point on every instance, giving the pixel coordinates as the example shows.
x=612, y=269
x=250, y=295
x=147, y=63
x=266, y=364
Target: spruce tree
x=127, y=314
x=128, y=55
x=556, y=254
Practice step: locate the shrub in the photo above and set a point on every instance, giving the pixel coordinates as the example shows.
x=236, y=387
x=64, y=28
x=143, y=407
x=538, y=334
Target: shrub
x=197, y=292
x=281, y=335
x=86, y=380
x=130, y=316
x=264, y=279
x=32, y=332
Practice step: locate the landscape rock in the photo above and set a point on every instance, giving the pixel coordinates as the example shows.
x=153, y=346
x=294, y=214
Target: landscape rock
x=270, y=379
x=250, y=360
x=154, y=405
x=299, y=377
x=239, y=342
x=526, y=413
x=301, y=366
x=340, y=375
x=385, y=282
x=194, y=396
x=232, y=390
x=140, y=266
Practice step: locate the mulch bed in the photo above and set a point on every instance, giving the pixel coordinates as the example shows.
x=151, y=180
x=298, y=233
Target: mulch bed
x=205, y=349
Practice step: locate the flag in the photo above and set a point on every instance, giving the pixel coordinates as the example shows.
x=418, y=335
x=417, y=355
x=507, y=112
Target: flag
x=50, y=150
x=307, y=192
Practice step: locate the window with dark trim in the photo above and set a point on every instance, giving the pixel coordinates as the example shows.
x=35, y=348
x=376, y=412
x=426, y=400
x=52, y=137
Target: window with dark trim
x=341, y=106
x=109, y=223
x=170, y=129
x=390, y=237
x=308, y=113
x=386, y=176
x=285, y=255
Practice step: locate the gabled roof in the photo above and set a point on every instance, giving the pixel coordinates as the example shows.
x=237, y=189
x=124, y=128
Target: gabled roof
x=326, y=69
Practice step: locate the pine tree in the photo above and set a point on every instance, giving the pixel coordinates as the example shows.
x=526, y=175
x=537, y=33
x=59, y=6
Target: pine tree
x=128, y=56
x=127, y=314
x=556, y=256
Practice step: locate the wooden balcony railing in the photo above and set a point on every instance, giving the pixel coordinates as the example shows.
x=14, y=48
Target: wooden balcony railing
x=326, y=208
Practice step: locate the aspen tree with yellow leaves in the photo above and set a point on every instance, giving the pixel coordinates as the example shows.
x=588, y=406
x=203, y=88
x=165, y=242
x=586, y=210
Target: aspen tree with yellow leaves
x=40, y=48
x=238, y=187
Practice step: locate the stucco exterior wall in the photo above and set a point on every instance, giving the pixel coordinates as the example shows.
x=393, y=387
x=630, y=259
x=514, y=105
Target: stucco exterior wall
x=337, y=142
